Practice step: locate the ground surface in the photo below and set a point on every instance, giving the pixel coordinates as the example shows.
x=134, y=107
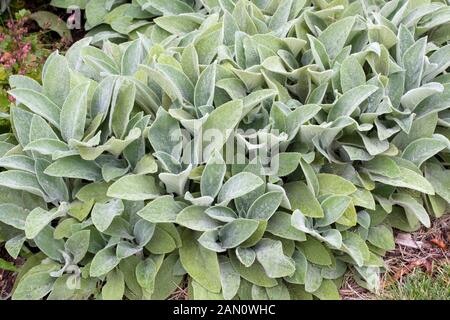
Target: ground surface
x=7, y=277
x=418, y=268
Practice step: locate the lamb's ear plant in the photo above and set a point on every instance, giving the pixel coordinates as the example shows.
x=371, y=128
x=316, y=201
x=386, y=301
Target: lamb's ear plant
x=113, y=188
x=121, y=20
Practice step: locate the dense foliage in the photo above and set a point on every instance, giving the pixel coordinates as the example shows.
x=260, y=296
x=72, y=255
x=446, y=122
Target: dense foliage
x=112, y=188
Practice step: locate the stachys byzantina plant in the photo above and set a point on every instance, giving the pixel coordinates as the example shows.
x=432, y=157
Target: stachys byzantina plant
x=258, y=149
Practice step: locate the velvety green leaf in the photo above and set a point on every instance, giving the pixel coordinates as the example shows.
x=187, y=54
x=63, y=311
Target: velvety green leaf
x=56, y=78
x=413, y=97
x=301, y=265
x=201, y=264
x=103, y=262
x=238, y=186
x=247, y=256
x=333, y=184
x=383, y=35
x=114, y=287
x=413, y=61
x=254, y=273
x=162, y=209
x=195, y=218
x=54, y=187
x=313, y=278
x=74, y=167
x=229, y=278
x=287, y=163
x=212, y=176
x=37, y=220
x=420, y=150
x=189, y=58
x=316, y=252
x=280, y=225
x=39, y=104
x=210, y=240
x=301, y=197
x=134, y=188
x=50, y=246
x=265, y=206
x=13, y=215
x=21, y=180
x=146, y=165
x=175, y=183
x=356, y=247
x=198, y=292
x=413, y=207
x=382, y=237
x=208, y=42
x=384, y=166
x=178, y=25
x=164, y=134
x=333, y=208
x=352, y=74
x=96, y=12
x=219, y=123
x=407, y=179
x=48, y=20
x=103, y=213
x=270, y=254
x=131, y=59
x=204, y=89
x=36, y=283
x=335, y=35
x=173, y=8
x=319, y=52
x=236, y=232
x=223, y=214
x=73, y=113
x=47, y=146
x=439, y=179
x=166, y=280
x=78, y=244
x=162, y=241
x=122, y=105
x=146, y=272
x=350, y=100
x=327, y=291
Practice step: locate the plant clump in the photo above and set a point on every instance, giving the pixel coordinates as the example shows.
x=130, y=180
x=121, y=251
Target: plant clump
x=258, y=149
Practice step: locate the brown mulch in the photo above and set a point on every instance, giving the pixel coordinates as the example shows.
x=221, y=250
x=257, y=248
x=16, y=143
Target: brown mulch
x=7, y=278
x=421, y=249
x=181, y=293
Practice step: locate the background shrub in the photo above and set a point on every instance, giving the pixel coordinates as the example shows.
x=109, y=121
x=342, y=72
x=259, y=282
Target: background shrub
x=24, y=46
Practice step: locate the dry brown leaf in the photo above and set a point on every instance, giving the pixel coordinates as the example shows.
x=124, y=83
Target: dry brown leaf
x=405, y=239
x=441, y=244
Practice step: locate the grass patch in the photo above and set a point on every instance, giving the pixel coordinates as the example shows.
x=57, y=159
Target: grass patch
x=420, y=285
